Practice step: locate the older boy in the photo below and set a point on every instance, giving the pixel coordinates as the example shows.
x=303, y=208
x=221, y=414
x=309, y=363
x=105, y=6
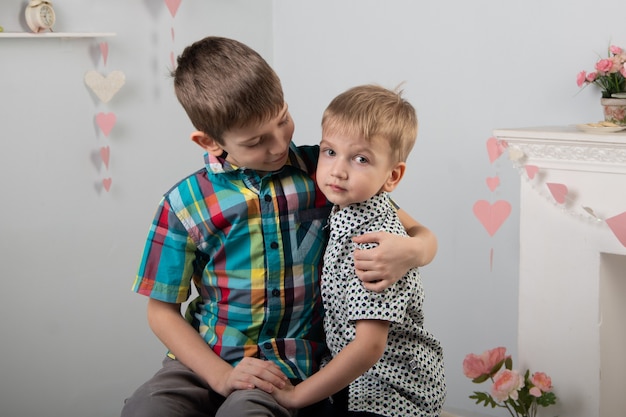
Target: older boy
x=247, y=230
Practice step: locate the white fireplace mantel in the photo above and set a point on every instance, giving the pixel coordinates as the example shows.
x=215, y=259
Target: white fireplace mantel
x=572, y=288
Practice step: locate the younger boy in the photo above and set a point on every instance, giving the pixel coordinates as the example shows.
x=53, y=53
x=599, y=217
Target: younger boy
x=380, y=349
x=247, y=230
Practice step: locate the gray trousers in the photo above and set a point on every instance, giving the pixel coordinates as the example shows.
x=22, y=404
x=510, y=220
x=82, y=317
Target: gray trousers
x=176, y=391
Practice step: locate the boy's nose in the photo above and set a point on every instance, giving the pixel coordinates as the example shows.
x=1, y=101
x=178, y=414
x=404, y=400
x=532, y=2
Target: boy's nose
x=338, y=170
x=278, y=145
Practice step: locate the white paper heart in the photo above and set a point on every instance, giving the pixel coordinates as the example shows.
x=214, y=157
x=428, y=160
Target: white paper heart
x=105, y=87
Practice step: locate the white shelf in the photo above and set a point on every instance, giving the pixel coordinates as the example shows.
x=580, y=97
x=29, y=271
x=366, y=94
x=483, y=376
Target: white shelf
x=55, y=35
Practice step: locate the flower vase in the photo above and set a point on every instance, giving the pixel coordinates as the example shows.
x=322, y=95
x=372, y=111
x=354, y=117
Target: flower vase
x=614, y=110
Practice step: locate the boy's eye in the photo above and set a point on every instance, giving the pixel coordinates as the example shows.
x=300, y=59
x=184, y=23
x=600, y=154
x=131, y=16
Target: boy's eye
x=253, y=144
x=329, y=152
x=361, y=159
x=284, y=121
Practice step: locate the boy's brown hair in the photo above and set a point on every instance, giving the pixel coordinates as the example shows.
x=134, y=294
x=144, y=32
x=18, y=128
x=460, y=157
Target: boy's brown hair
x=223, y=84
x=372, y=111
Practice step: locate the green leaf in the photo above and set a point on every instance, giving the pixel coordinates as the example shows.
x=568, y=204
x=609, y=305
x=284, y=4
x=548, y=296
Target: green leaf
x=496, y=367
x=480, y=379
x=482, y=397
x=548, y=398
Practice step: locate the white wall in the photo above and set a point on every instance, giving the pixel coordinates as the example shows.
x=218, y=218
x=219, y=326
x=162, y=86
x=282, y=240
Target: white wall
x=74, y=341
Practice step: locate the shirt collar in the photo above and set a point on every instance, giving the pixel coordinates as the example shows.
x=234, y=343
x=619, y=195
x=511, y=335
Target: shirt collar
x=352, y=217
x=219, y=164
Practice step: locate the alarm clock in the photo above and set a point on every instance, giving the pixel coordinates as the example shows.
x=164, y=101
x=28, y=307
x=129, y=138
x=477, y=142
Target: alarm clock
x=39, y=15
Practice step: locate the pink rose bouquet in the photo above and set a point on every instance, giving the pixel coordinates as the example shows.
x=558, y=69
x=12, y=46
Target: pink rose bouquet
x=609, y=73
x=519, y=394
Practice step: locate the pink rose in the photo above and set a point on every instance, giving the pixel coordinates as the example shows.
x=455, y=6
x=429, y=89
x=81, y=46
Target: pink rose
x=623, y=70
x=506, y=384
x=591, y=77
x=615, y=50
x=581, y=78
x=604, y=65
x=541, y=381
x=479, y=365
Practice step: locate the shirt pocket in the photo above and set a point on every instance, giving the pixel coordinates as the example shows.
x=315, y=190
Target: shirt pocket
x=308, y=234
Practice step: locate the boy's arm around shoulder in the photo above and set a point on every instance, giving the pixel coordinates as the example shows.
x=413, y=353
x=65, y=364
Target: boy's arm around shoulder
x=190, y=349
x=382, y=266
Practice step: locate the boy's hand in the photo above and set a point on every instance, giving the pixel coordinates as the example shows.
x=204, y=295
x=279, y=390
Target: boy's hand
x=284, y=395
x=382, y=266
x=254, y=373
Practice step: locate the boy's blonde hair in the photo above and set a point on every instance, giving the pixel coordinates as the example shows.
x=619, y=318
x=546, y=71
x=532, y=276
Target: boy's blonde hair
x=371, y=111
x=224, y=84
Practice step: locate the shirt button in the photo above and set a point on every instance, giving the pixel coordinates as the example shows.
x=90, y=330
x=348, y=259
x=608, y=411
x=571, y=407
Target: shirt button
x=274, y=245
x=267, y=198
x=275, y=292
x=267, y=345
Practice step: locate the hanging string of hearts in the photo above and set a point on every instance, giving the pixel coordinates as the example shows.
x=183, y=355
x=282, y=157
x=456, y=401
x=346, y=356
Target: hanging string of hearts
x=172, y=6
x=105, y=87
x=492, y=214
x=566, y=197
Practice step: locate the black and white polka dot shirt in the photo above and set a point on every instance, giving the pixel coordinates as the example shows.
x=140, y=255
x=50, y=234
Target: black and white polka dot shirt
x=409, y=379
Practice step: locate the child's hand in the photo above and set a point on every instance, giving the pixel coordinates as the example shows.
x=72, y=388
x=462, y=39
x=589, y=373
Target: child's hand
x=382, y=266
x=254, y=373
x=284, y=396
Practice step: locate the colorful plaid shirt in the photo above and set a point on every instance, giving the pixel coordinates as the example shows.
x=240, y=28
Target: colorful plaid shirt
x=253, y=248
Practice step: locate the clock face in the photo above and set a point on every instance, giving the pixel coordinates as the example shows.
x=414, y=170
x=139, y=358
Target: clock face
x=47, y=16
x=39, y=15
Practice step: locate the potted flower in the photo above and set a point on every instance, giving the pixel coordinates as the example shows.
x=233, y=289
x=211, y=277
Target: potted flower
x=610, y=76
x=520, y=394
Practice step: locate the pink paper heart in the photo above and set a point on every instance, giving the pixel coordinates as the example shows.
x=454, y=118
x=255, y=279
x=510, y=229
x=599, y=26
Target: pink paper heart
x=495, y=148
x=492, y=215
x=172, y=5
x=104, y=50
x=559, y=191
x=493, y=182
x=105, y=153
x=105, y=122
x=106, y=183
x=617, y=224
x=531, y=170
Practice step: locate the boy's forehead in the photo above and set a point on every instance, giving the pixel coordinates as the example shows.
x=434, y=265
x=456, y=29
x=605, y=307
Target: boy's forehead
x=256, y=128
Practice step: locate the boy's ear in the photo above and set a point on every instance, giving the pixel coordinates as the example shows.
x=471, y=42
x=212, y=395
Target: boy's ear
x=395, y=176
x=207, y=143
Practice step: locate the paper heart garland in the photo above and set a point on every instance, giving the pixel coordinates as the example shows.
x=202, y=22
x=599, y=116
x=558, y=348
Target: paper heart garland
x=493, y=182
x=106, y=183
x=105, y=122
x=172, y=5
x=495, y=148
x=105, y=153
x=617, y=224
x=492, y=216
x=558, y=191
x=104, y=50
x=531, y=171
x=105, y=87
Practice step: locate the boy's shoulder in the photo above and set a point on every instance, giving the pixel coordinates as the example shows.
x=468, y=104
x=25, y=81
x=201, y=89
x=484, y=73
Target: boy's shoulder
x=199, y=172
x=304, y=157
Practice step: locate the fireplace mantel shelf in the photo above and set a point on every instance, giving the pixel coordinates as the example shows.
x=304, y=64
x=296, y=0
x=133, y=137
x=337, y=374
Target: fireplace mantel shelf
x=554, y=146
